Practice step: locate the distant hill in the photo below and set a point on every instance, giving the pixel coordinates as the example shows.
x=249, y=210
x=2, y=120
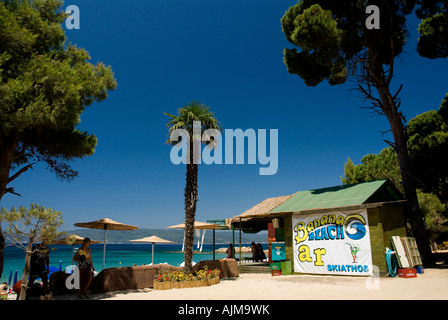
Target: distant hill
x=175, y=235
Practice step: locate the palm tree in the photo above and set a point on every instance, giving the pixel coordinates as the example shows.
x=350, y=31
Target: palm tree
x=194, y=111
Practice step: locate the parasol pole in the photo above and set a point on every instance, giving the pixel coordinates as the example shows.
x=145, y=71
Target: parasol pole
x=152, y=254
x=213, y=244
x=183, y=242
x=202, y=242
x=104, y=248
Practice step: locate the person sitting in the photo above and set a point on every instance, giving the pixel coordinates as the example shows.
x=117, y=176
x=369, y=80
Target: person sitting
x=261, y=251
x=229, y=252
x=255, y=252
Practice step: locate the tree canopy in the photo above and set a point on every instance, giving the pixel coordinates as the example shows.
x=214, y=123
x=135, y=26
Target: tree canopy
x=36, y=224
x=194, y=111
x=334, y=40
x=433, y=29
x=45, y=85
x=333, y=37
x=374, y=167
x=428, y=148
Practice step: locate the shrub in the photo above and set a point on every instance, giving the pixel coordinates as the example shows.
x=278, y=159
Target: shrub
x=177, y=276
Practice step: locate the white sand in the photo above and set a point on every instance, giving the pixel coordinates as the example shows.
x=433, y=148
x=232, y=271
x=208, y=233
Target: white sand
x=433, y=284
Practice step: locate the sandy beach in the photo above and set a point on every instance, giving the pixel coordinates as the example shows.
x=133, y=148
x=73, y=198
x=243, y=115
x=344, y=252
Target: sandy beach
x=432, y=285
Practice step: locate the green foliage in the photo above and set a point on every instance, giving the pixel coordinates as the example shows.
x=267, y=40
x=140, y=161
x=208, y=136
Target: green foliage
x=316, y=29
x=179, y=276
x=433, y=29
x=385, y=165
x=194, y=111
x=428, y=148
x=35, y=224
x=434, y=212
x=333, y=37
x=207, y=273
x=374, y=167
x=45, y=85
x=175, y=276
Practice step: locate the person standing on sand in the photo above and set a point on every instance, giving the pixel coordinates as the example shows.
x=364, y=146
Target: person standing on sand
x=84, y=259
x=39, y=267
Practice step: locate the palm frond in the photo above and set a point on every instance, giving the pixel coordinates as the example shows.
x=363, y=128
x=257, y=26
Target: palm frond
x=194, y=111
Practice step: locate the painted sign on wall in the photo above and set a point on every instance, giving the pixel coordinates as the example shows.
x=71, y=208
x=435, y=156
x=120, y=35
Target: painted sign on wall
x=278, y=251
x=333, y=243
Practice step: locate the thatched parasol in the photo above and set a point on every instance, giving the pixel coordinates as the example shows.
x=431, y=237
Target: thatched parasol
x=197, y=225
x=71, y=240
x=152, y=239
x=106, y=224
x=261, y=209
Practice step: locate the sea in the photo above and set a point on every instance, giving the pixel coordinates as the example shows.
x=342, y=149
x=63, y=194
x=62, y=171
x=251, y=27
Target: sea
x=117, y=255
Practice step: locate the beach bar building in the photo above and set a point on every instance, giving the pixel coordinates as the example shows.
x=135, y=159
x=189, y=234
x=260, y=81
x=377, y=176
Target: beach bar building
x=342, y=230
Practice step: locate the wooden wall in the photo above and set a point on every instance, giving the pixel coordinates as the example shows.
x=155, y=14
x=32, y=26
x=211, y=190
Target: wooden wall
x=385, y=220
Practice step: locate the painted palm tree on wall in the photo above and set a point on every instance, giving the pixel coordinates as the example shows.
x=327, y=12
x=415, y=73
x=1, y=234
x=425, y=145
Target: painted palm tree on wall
x=185, y=119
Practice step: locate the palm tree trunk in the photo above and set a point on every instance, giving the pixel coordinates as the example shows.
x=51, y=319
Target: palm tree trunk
x=191, y=192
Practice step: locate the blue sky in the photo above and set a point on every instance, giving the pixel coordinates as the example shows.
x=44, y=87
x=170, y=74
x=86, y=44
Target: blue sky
x=227, y=54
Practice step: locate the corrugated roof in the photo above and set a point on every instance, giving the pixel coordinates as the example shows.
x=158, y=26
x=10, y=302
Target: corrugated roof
x=340, y=196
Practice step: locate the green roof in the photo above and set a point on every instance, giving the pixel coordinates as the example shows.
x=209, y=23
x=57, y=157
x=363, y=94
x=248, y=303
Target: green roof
x=340, y=196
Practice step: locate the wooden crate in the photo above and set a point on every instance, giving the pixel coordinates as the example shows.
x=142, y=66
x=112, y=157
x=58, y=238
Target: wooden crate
x=407, y=273
x=412, y=252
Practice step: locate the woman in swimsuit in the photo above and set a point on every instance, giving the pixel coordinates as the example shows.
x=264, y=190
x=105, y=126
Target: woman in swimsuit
x=84, y=259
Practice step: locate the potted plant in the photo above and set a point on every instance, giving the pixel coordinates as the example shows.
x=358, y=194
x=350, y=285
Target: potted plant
x=179, y=279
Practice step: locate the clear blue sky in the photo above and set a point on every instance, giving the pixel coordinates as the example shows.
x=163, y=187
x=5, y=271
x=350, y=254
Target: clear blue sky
x=227, y=54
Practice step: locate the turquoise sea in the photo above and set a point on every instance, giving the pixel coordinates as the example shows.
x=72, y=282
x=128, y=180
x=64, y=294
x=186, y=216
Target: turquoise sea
x=117, y=255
